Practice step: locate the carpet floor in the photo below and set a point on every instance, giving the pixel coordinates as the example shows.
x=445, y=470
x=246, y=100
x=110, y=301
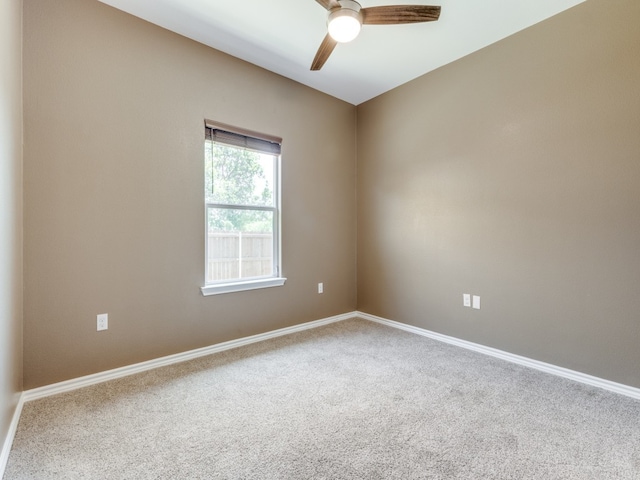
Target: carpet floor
x=350, y=400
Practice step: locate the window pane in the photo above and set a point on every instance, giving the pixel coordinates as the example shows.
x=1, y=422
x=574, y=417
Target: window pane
x=238, y=177
x=240, y=244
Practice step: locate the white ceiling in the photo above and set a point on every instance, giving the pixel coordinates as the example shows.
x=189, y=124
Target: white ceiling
x=283, y=35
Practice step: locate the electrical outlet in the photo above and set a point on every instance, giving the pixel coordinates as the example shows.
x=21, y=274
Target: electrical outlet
x=476, y=302
x=320, y=288
x=466, y=299
x=103, y=321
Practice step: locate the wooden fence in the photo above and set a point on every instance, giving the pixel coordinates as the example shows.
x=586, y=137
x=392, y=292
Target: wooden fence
x=235, y=255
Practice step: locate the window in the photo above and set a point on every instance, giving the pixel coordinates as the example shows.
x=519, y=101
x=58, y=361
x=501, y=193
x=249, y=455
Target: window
x=242, y=199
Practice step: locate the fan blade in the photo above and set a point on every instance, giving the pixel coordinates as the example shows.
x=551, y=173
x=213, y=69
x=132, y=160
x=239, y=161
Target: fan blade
x=328, y=4
x=326, y=47
x=395, y=14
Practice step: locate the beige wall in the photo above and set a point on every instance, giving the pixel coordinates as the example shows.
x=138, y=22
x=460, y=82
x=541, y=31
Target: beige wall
x=10, y=211
x=514, y=174
x=114, y=216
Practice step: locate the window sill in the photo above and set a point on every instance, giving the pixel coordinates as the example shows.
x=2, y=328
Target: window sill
x=218, y=289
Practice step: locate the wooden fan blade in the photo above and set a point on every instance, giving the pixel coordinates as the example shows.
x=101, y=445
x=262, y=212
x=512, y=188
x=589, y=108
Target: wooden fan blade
x=328, y=4
x=396, y=14
x=326, y=47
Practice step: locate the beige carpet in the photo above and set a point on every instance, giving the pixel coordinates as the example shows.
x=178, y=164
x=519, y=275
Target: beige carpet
x=352, y=400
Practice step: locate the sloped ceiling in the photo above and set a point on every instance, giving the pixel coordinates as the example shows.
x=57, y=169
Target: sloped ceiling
x=283, y=35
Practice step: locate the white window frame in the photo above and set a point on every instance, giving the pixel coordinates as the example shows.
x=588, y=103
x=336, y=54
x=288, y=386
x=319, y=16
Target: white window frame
x=253, y=283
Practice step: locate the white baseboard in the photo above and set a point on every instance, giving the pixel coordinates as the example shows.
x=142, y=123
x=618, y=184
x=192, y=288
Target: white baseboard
x=8, y=441
x=107, y=375
x=510, y=357
x=80, y=382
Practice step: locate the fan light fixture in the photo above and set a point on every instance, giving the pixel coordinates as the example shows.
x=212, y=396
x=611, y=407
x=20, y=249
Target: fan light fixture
x=344, y=23
x=346, y=17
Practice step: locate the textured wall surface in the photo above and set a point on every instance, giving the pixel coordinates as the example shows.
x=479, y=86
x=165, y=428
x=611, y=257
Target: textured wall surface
x=514, y=174
x=10, y=210
x=114, y=214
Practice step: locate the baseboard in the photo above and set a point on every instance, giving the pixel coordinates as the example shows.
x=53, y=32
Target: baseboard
x=105, y=376
x=85, y=381
x=510, y=357
x=8, y=441
x=93, y=379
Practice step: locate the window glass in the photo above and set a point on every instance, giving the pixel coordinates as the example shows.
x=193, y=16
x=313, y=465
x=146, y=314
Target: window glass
x=237, y=176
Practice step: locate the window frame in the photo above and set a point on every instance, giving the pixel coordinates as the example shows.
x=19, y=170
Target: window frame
x=250, y=283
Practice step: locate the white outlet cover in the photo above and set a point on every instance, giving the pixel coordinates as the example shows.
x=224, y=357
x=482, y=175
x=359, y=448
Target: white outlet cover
x=476, y=302
x=103, y=321
x=466, y=299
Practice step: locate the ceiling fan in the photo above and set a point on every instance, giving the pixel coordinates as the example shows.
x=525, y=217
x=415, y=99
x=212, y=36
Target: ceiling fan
x=346, y=17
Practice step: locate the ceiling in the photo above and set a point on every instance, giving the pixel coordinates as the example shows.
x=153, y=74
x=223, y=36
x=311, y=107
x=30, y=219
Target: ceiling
x=283, y=35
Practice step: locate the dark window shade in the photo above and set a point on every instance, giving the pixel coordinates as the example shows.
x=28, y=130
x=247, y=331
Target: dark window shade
x=242, y=141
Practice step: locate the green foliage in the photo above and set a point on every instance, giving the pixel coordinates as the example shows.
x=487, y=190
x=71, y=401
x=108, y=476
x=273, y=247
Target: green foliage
x=238, y=177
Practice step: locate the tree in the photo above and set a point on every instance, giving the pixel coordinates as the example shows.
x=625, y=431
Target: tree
x=237, y=176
